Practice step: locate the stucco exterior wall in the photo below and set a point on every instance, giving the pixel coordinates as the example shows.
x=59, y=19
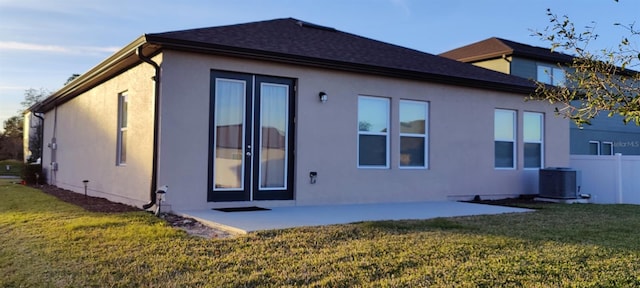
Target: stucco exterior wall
x=461, y=139
x=85, y=131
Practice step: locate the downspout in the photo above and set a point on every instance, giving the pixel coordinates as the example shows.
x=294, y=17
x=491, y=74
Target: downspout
x=156, y=116
x=41, y=136
x=41, y=144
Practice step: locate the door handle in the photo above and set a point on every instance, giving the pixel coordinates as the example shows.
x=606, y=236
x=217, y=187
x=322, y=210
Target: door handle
x=248, y=154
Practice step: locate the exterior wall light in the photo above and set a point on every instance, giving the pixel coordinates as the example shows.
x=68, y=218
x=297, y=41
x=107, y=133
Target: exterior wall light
x=323, y=97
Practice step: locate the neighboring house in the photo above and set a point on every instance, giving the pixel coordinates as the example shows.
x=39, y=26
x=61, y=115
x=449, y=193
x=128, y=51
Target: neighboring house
x=31, y=137
x=286, y=112
x=606, y=135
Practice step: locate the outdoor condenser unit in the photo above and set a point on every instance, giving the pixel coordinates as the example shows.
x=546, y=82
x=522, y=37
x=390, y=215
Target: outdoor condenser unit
x=560, y=183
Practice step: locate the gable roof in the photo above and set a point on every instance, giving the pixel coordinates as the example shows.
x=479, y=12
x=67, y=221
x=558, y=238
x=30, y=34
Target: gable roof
x=294, y=41
x=497, y=47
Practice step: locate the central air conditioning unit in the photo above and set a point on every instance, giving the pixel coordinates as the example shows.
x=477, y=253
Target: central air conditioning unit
x=559, y=183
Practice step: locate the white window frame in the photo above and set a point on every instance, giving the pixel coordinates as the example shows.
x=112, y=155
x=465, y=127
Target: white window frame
x=386, y=134
x=244, y=127
x=551, y=72
x=541, y=141
x=121, y=149
x=416, y=135
x=513, y=139
x=597, y=147
x=286, y=140
x=602, y=148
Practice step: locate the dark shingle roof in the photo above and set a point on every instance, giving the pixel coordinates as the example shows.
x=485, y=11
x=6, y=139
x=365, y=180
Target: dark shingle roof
x=301, y=42
x=497, y=47
x=293, y=41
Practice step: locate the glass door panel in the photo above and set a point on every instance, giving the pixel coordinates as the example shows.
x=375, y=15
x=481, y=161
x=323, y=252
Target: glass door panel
x=229, y=135
x=274, y=117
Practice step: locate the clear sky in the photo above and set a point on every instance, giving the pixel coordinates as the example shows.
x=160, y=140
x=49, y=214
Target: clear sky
x=44, y=42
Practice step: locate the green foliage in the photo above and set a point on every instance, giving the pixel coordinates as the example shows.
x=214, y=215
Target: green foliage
x=596, y=82
x=33, y=96
x=15, y=167
x=48, y=243
x=13, y=127
x=32, y=174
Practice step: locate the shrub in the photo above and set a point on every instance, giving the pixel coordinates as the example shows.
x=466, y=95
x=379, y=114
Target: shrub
x=29, y=174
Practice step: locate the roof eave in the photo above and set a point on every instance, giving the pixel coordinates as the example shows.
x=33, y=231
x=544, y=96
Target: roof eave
x=120, y=60
x=329, y=64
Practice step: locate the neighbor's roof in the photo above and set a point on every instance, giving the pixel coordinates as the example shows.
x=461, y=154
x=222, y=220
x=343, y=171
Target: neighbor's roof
x=497, y=47
x=293, y=41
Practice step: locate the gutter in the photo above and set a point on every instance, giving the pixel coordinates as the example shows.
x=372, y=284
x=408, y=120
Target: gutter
x=156, y=116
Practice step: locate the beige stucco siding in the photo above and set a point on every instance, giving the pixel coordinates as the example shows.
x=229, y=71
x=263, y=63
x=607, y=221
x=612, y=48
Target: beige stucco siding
x=461, y=143
x=86, y=131
x=501, y=64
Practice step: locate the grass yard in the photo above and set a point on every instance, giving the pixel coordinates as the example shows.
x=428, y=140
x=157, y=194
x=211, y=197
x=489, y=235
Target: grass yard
x=11, y=168
x=46, y=242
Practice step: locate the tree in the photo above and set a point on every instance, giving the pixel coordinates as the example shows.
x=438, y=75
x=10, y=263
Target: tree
x=601, y=82
x=71, y=78
x=31, y=97
x=11, y=139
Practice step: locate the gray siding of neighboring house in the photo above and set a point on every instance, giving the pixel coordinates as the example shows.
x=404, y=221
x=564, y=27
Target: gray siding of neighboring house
x=520, y=67
x=625, y=138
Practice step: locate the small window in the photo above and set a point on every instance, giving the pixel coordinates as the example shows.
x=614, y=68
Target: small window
x=601, y=148
x=373, y=132
x=551, y=75
x=606, y=148
x=413, y=134
x=533, y=125
x=505, y=138
x=121, y=145
x=594, y=148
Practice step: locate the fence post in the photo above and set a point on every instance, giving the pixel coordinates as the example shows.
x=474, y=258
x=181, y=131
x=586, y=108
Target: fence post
x=619, y=177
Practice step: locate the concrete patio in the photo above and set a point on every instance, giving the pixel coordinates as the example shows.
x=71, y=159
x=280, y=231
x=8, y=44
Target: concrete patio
x=298, y=216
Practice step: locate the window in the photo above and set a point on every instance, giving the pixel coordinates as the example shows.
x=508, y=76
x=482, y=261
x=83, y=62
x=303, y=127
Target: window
x=413, y=134
x=505, y=138
x=594, y=148
x=600, y=148
x=373, y=132
x=533, y=131
x=606, y=148
x=121, y=149
x=551, y=75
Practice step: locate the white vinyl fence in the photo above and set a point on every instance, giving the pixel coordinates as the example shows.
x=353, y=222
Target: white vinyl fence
x=609, y=179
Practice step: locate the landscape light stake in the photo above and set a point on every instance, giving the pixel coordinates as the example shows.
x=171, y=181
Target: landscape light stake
x=85, y=182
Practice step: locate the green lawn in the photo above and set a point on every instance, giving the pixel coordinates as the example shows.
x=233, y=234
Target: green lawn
x=45, y=242
x=15, y=167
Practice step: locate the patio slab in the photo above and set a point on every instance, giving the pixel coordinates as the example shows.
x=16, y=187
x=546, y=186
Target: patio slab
x=299, y=216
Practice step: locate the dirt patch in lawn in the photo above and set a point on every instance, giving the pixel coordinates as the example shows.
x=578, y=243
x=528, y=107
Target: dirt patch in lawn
x=102, y=205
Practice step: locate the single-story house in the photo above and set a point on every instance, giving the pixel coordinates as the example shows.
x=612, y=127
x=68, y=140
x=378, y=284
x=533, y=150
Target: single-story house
x=286, y=112
x=605, y=136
